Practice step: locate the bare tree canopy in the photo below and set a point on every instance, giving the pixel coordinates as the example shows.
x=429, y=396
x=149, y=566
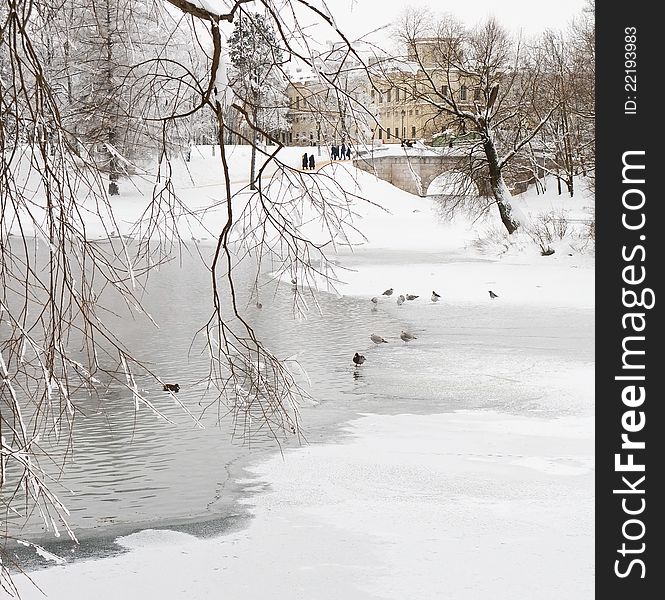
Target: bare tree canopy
x=93, y=93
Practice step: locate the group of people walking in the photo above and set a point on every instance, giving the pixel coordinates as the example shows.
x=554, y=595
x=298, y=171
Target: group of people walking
x=308, y=162
x=340, y=152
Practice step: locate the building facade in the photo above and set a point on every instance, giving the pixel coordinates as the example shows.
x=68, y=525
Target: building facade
x=407, y=93
x=393, y=101
x=331, y=108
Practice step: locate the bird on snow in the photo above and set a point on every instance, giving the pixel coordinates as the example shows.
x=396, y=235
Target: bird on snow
x=407, y=337
x=294, y=281
x=400, y=300
x=493, y=295
x=171, y=387
x=358, y=359
x=374, y=300
x=388, y=292
x=259, y=305
x=435, y=296
x=411, y=297
x=377, y=339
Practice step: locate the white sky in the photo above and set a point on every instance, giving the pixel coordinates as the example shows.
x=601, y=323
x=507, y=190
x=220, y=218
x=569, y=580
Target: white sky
x=356, y=17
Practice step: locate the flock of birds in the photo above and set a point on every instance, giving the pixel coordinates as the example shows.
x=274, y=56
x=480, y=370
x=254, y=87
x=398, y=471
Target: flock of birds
x=359, y=359
x=405, y=336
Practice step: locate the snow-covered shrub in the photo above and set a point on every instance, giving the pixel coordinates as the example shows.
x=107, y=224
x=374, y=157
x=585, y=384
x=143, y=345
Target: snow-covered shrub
x=548, y=228
x=493, y=240
x=585, y=237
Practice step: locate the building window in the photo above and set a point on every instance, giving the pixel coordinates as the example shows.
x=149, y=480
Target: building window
x=417, y=112
x=388, y=97
x=388, y=132
x=298, y=102
x=413, y=131
x=444, y=90
x=380, y=97
x=476, y=94
x=290, y=138
x=372, y=95
x=380, y=133
x=462, y=93
x=411, y=113
x=397, y=95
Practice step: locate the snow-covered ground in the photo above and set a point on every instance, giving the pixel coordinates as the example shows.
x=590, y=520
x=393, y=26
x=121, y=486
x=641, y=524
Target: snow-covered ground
x=461, y=505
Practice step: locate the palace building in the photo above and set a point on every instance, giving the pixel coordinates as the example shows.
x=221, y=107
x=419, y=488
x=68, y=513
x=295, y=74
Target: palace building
x=384, y=104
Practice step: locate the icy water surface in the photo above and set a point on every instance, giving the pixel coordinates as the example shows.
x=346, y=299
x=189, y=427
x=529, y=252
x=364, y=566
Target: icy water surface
x=129, y=470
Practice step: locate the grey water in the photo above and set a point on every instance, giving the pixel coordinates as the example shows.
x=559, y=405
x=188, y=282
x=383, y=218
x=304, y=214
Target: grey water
x=128, y=470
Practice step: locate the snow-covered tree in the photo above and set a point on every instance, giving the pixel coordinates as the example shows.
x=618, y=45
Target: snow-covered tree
x=257, y=79
x=568, y=75
x=479, y=82
x=116, y=67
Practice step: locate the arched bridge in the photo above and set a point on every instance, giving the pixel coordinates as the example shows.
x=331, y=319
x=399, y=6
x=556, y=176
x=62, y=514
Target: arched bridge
x=414, y=171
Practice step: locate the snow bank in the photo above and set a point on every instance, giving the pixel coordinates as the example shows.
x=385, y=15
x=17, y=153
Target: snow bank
x=467, y=505
x=392, y=219
x=407, y=244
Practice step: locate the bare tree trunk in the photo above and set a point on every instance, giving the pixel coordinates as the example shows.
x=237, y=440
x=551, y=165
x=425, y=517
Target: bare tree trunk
x=113, y=162
x=113, y=165
x=498, y=186
x=255, y=117
x=252, y=168
x=567, y=150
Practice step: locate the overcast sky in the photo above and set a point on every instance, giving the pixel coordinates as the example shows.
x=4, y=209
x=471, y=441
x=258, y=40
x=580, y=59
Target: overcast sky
x=357, y=17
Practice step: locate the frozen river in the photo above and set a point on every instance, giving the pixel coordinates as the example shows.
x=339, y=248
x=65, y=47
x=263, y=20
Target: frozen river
x=130, y=471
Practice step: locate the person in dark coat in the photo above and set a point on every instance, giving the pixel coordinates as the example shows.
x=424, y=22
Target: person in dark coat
x=343, y=153
x=348, y=153
x=311, y=161
x=304, y=161
x=333, y=152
